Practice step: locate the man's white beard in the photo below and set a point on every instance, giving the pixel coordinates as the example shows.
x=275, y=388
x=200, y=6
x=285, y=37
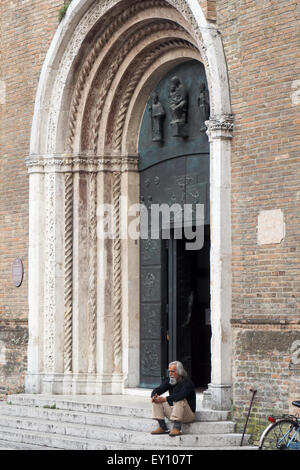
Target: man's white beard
x=172, y=381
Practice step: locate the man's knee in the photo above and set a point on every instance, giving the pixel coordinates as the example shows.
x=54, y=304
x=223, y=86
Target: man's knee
x=157, y=409
x=182, y=412
x=161, y=410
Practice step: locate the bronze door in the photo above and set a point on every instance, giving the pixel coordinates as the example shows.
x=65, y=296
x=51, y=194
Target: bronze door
x=174, y=169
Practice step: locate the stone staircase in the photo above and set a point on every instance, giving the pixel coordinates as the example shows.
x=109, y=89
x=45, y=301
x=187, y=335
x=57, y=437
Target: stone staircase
x=108, y=422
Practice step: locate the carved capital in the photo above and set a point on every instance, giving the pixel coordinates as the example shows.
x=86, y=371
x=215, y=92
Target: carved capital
x=130, y=163
x=220, y=127
x=67, y=164
x=49, y=164
x=121, y=163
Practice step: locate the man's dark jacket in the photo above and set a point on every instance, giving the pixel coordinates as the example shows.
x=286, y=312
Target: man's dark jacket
x=183, y=389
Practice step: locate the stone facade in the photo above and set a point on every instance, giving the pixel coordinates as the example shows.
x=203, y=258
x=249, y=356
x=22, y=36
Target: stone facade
x=250, y=48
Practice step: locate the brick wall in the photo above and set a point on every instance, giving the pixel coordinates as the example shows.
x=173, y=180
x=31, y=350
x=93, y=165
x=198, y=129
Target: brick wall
x=262, y=47
x=209, y=9
x=26, y=28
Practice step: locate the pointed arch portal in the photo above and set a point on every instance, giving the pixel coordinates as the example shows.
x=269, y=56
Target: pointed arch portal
x=104, y=62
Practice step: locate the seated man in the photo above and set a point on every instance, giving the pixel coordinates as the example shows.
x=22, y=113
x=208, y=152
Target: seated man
x=179, y=407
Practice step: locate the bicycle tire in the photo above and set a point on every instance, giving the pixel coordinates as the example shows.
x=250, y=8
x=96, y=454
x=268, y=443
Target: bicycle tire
x=277, y=435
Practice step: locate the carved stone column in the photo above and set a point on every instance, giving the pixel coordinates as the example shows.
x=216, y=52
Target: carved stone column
x=85, y=256
x=109, y=308
x=68, y=282
x=220, y=134
x=47, y=276
x=117, y=280
x=54, y=280
x=92, y=263
x=35, y=276
x=117, y=259
x=130, y=252
x=62, y=275
x=105, y=279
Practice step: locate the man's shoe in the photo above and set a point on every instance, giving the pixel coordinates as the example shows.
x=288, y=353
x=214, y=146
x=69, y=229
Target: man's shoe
x=175, y=432
x=160, y=430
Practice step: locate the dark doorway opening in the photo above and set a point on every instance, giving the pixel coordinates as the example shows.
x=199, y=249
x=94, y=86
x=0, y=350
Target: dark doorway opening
x=188, y=308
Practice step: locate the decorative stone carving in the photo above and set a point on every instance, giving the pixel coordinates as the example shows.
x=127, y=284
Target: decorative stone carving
x=220, y=126
x=68, y=273
x=185, y=10
x=87, y=22
x=89, y=62
x=85, y=25
x=224, y=122
x=157, y=117
x=42, y=164
x=92, y=284
x=178, y=102
x=117, y=284
x=129, y=45
x=49, y=307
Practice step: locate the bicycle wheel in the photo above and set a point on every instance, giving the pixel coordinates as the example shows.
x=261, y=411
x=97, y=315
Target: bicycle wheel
x=277, y=436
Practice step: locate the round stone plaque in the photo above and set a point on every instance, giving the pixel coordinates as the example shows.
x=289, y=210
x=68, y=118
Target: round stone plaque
x=17, y=272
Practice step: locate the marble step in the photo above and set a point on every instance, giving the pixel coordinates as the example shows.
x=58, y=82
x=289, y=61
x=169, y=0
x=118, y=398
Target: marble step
x=105, y=420
x=109, y=422
x=116, y=434
x=120, y=405
x=61, y=441
x=9, y=445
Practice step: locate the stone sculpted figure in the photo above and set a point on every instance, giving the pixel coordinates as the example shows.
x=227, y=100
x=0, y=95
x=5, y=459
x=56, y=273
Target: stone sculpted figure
x=204, y=107
x=178, y=107
x=157, y=116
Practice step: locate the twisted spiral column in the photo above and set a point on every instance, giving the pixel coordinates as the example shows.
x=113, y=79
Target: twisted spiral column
x=117, y=284
x=68, y=272
x=92, y=302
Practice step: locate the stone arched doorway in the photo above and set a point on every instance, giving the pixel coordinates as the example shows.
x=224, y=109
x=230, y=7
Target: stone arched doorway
x=104, y=61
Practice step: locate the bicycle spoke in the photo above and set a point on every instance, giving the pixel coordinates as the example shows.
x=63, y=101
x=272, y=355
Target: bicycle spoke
x=279, y=436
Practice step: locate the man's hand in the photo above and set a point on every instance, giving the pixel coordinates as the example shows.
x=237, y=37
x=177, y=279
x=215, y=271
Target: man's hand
x=158, y=399
x=153, y=398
